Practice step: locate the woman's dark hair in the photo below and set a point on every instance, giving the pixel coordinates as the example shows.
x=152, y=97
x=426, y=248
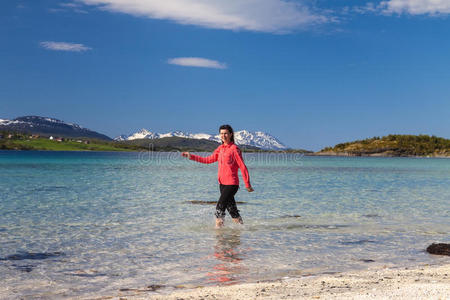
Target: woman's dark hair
x=230, y=130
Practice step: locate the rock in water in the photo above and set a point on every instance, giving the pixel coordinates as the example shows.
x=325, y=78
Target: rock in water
x=439, y=249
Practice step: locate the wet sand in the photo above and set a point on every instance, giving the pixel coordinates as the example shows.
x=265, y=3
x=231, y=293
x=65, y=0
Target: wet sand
x=424, y=282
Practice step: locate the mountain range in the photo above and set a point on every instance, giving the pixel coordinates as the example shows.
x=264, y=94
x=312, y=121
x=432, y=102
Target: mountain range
x=243, y=137
x=46, y=126
x=49, y=126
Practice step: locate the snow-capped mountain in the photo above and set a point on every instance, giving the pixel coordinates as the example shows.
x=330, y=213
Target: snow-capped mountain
x=258, y=139
x=145, y=134
x=49, y=126
x=243, y=137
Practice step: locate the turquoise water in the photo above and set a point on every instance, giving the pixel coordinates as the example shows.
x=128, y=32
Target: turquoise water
x=75, y=224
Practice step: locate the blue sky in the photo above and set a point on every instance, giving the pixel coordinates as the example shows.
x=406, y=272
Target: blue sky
x=312, y=73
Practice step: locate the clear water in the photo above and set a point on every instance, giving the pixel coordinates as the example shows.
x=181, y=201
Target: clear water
x=76, y=224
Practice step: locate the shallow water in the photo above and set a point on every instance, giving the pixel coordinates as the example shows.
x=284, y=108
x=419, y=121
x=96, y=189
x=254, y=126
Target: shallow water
x=76, y=224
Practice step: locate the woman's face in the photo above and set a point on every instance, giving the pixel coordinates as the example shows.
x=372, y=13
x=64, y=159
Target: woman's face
x=225, y=136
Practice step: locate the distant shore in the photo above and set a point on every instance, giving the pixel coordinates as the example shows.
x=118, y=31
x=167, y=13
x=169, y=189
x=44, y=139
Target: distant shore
x=388, y=146
x=393, y=145
x=379, y=154
x=421, y=282
x=96, y=148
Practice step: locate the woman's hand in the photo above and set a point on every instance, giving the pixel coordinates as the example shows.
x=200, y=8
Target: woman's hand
x=186, y=154
x=250, y=189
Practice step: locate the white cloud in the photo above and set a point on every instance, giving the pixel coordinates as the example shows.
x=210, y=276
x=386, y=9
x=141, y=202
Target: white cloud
x=197, y=62
x=369, y=7
x=276, y=16
x=68, y=7
x=69, y=4
x=416, y=7
x=62, y=46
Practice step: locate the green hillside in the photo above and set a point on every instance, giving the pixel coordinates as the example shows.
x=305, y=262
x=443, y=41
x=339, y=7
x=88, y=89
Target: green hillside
x=20, y=141
x=392, y=145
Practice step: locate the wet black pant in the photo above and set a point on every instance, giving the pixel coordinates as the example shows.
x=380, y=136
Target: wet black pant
x=226, y=201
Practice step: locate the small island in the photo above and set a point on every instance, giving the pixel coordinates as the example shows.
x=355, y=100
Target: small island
x=393, y=145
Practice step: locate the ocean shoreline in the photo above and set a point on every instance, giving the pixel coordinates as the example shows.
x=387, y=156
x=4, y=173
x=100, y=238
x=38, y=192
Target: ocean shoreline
x=429, y=281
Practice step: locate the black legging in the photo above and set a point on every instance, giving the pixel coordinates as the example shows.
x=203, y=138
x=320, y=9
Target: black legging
x=226, y=201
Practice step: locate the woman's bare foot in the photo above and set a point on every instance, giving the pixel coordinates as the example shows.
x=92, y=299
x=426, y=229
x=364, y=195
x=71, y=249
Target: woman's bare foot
x=238, y=220
x=219, y=222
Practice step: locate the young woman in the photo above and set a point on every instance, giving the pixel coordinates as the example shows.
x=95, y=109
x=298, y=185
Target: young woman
x=230, y=159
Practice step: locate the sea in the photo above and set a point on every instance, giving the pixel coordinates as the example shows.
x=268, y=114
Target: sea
x=103, y=224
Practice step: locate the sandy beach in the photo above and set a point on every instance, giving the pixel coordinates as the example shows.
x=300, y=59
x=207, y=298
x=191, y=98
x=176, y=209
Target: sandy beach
x=424, y=282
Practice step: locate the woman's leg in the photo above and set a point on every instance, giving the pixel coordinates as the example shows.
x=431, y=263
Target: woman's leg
x=226, y=201
x=232, y=209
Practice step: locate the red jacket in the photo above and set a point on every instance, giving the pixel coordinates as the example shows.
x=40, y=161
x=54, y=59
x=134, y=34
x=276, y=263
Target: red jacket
x=230, y=159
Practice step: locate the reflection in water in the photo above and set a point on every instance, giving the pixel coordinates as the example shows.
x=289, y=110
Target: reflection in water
x=229, y=257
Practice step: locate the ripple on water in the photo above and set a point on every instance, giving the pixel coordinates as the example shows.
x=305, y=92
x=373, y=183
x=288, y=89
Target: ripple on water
x=210, y=202
x=50, y=188
x=359, y=242
x=32, y=255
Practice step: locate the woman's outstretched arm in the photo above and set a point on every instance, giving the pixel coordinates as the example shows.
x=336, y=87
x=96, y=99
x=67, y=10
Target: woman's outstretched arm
x=205, y=160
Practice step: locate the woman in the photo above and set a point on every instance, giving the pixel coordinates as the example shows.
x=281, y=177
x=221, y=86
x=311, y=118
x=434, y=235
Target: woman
x=230, y=159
